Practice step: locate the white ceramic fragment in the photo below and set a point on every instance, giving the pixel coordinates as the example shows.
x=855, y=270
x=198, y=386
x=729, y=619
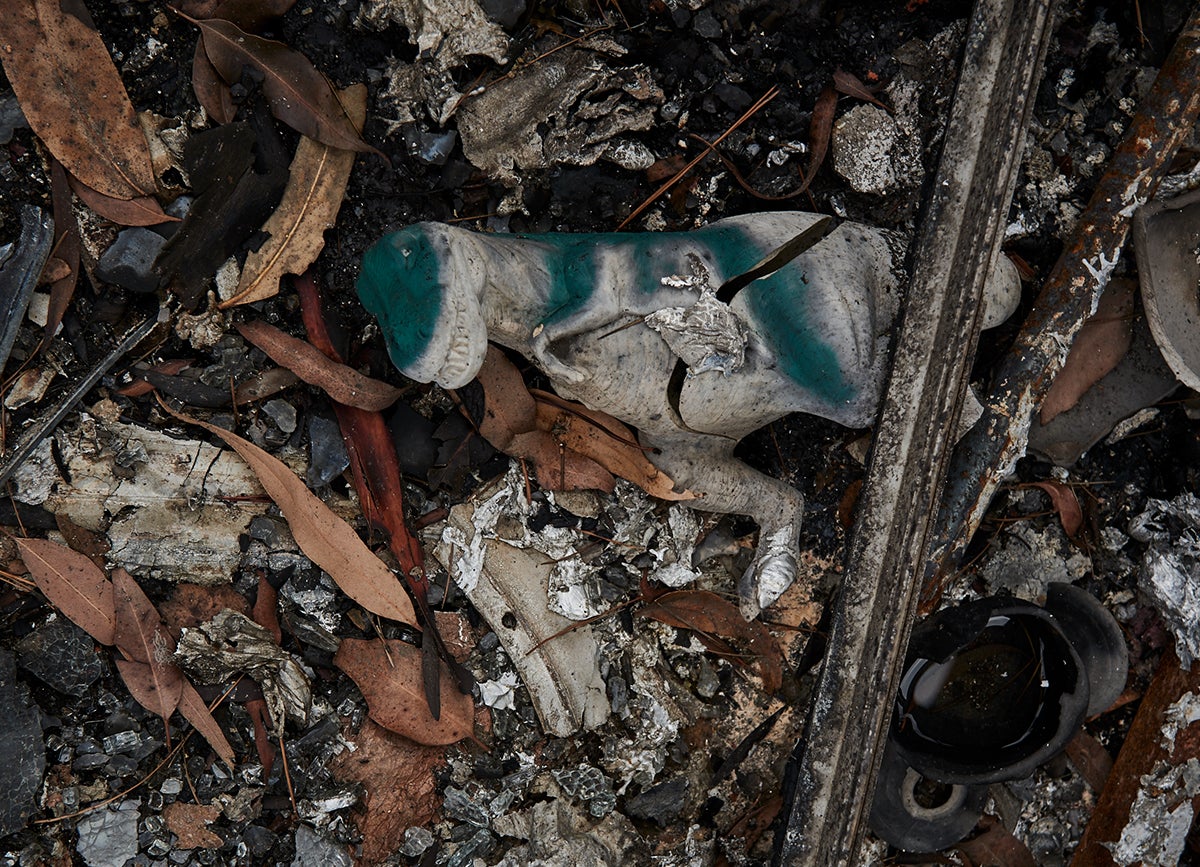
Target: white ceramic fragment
x=561, y=673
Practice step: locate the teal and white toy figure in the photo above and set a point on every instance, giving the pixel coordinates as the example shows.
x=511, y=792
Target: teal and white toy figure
x=614, y=319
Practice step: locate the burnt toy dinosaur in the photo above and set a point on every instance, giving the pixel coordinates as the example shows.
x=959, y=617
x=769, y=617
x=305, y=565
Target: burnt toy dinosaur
x=609, y=317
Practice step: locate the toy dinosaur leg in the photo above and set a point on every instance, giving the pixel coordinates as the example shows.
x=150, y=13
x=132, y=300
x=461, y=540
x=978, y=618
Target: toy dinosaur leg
x=707, y=466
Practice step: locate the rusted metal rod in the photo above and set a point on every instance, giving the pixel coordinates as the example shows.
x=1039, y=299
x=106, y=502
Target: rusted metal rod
x=988, y=453
x=953, y=255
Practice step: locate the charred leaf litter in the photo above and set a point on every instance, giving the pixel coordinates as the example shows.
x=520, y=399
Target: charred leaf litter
x=634, y=739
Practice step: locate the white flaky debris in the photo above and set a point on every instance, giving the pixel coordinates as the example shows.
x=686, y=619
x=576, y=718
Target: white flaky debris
x=777, y=566
x=501, y=692
x=1178, y=716
x=1170, y=574
x=1160, y=817
x=707, y=335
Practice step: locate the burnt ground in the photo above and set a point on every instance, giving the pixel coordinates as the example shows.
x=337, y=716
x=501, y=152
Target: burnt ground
x=688, y=803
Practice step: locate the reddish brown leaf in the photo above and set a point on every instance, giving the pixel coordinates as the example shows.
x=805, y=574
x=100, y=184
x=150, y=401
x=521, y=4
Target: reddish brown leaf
x=66, y=246
x=402, y=789
x=324, y=538
x=156, y=688
x=250, y=15
x=54, y=270
x=73, y=96
x=1066, y=504
x=266, y=612
x=1091, y=759
x=1099, y=346
x=850, y=84
x=260, y=717
x=138, y=211
x=140, y=634
x=390, y=681
x=193, y=604
x=559, y=468
x=605, y=440
x=263, y=385
x=74, y=584
x=188, y=821
x=92, y=545
x=211, y=92
x=510, y=408
x=197, y=8
x=343, y=384
x=195, y=711
x=707, y=614
x=820, y=131
x=995, y=847
x=299, y=94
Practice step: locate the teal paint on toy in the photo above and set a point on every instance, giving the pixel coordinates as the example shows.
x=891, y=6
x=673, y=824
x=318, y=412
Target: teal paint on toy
x=399, y=286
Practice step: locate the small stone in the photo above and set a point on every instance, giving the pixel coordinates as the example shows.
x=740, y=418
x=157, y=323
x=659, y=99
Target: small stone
x=660, y=804
x=459, y=805
x=706, y=25
x=707, y=683
x=865, y=148
x=313, y=850
x=329, y=458
x=129, y=260
x=282, y=413
x=475, y=847
x=416, y=841
x=22, y=752
x=506, y=13
x=61, y=655
x=171, y=786
x=259, y=840
x=108, y=838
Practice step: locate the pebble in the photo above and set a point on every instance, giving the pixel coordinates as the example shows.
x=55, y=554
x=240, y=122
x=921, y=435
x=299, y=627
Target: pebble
x=22, y=752
x=313, y=850
x=282, y=413
x=108, y=838
x=660, y=804
x=61, y=655
x=328, y=452
x=129, y=260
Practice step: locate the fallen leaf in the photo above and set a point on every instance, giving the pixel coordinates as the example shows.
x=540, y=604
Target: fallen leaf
x=211, y=92
x=88, y=543
x=156, y=688
x=188, y=821
x=400, y=782
x=298, y=93
x=849, y=84
x=67, y=246
x=995, y=847
x=1091, y=759
x=54, y=269
x=1066, y=504
x=265, y=384
x=311, y=201
x=138, y=211
x=140, y=386
x=605, y=440
x=250, y=15
x=73, y=97
x=820, y=131
x=195, y=711
x=342, y=383
x=193, y=604
x=74, y=584
x=260, y=718
x=324, y=538
x=139, y=634
x=390, y=680
x=266, y=605
x=1099, y=346
x=707, y=614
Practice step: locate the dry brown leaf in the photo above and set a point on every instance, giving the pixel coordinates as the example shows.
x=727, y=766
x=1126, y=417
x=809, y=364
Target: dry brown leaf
x=851, y=85
x=605, y=440
x=1099, y=347
x=140, y=386
x=315, y=189
x=156, y=688
x=1066, y=504
x=260, y=718
x=250, y=15
x=263, y=385
x=68, y=245
x=509, y=408
x=402, y=790
x=211, y=92
x=820, y=131
x=195, y=711
x=299, y=94
x=74, y=584
x=266, y=606
x=73, y=96
x=193, y=604
x=995, y=847
x=341, y=382
x=138, y=211
x=54, y=270
x=390, y=680
x=188, y=821
x=140, y=634
x=324, y=538
x=707, y=614
x=558, y=468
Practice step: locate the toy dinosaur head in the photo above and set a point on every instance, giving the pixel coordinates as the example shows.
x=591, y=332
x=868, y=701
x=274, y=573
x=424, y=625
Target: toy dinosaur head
x=423, y=289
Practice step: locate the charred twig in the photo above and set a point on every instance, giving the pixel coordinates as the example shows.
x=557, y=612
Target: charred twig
x=989, y=451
